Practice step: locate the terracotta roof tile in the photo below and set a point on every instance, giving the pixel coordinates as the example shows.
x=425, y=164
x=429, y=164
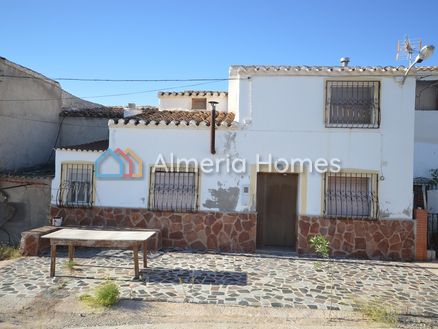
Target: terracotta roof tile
x=287, y=69
x=101, y=145
x=151, y=116
x=193, y=93
x=96, y=112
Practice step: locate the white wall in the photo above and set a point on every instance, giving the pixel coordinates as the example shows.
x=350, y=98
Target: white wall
x=185, y=102
x=426, y=143
x=287, y=121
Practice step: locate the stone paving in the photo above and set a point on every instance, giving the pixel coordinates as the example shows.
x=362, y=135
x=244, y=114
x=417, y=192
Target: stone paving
x=234, y=279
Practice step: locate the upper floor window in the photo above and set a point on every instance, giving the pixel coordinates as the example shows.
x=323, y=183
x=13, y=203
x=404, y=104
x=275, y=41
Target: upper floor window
x=199, y=103
x=76, y=187
x=352, y=104
x=351, y=195
x=173, y=190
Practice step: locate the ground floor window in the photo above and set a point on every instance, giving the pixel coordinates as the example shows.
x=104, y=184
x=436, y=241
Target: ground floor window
x=351, y=195
x=173, y=189
x=76, y=187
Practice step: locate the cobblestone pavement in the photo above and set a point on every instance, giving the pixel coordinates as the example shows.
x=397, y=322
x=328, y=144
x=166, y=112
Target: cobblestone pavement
x=236, y=279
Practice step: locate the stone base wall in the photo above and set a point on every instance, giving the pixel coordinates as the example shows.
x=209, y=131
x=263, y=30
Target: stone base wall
x=31, y=243
x=234, y=232
x=370, y=239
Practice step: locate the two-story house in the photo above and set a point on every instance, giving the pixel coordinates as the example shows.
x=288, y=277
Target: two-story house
x=295, y=151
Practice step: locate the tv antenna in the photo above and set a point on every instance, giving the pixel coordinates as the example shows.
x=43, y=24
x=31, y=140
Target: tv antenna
x=407, y=48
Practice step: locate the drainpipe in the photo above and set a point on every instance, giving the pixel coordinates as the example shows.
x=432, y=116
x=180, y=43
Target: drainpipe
x=213, y=127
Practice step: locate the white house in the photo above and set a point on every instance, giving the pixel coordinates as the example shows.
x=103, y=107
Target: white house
x=299, y=119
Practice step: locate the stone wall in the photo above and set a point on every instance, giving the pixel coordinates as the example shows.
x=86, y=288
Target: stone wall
x=371, y=239
x=200, y=230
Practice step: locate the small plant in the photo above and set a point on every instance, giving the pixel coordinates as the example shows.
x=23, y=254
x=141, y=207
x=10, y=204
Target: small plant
x=376, y=312
x=9, y=252
x=320, y=244
x=70, y=264
x=107, y=294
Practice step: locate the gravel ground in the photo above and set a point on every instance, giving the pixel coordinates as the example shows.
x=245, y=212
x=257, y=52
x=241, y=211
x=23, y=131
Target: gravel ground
x=69, y=313
x=60, y=311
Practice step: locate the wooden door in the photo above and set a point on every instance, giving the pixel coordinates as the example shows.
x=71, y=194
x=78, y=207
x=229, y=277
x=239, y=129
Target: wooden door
x=277, y=210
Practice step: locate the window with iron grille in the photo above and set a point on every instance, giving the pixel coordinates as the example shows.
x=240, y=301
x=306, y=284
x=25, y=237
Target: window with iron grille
x=352, y=104
x=76, y=188
x=351, y=195
x=174, y=190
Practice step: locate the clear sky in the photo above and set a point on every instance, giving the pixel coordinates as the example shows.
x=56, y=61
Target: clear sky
x=200, y=39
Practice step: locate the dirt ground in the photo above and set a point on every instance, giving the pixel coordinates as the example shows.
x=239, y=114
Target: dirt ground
x=68, y=312
x=71, y=313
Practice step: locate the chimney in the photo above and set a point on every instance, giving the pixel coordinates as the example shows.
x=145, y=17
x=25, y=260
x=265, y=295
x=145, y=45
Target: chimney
x=344, y=61
x=131, y=110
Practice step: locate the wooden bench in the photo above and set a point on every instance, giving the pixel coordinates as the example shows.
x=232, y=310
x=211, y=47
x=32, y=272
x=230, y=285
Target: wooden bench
x=134, y=240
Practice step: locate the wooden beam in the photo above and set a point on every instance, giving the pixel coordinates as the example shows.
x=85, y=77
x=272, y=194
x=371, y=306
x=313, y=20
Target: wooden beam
x=52, y=260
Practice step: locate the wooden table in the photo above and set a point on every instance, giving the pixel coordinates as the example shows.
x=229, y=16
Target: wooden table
x=100, y=239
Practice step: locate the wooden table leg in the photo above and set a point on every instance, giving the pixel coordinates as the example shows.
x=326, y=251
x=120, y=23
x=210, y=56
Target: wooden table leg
x=145, y=254
x=71, y=252
x=52, y=260
x=136, y=271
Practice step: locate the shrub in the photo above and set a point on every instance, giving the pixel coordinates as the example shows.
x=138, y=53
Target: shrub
x=107, y=294
x=320, y=244
x=376, y=312
x=9, y=252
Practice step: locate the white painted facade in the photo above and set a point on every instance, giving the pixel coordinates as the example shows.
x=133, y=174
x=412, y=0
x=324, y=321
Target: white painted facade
x=183, y=101
x=426, y=143
x=426, y=123
x=282, y=115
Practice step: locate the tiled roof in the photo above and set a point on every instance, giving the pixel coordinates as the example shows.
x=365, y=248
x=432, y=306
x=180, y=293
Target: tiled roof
x=286, y=69
x=178, y=118
x=193, y=93
x=39, y=171
x=105, y=112
x=96, y=146
x=95, y=112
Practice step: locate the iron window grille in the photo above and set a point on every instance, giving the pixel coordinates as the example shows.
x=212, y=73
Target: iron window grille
x=351, y=195
x=173, y=190
x=76, y=187
x=352, y=104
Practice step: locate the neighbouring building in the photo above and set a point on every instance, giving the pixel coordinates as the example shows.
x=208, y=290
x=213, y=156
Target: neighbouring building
x=36, y=115
x=363, y=116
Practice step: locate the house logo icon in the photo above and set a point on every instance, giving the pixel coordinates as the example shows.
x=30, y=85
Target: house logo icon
x=127, y=164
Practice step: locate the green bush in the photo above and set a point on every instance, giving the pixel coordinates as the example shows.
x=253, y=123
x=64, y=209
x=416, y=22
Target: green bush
x=320, y=244
x=107, y=294
x=375, y=311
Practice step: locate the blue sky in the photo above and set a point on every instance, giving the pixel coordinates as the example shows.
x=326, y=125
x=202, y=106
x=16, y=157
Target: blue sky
x=200, y=39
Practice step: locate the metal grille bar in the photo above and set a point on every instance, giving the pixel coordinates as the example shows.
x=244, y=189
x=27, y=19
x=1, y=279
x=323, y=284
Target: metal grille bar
x=352, y=104
x=432, y=232
x=76, y=187
x=174, y=190
x=351, y=195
